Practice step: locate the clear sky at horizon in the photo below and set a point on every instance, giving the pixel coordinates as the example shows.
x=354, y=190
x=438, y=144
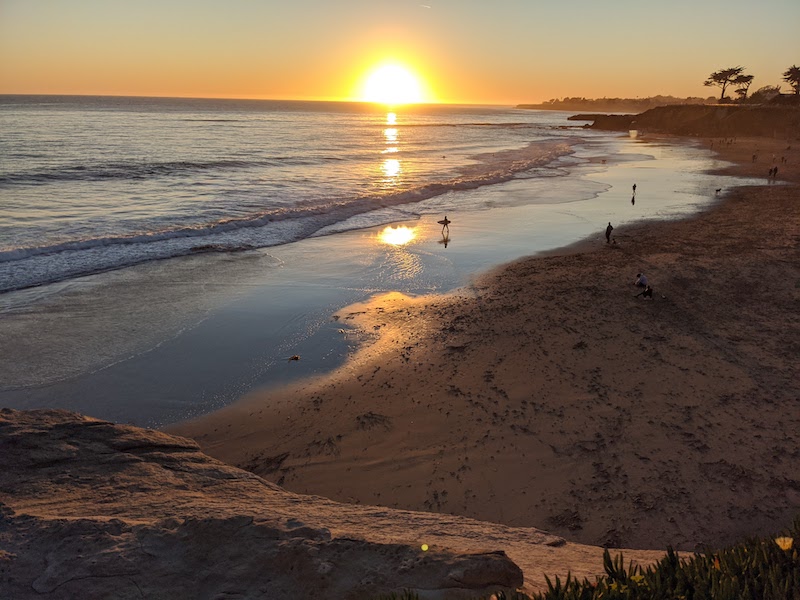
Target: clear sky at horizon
x=464, y=51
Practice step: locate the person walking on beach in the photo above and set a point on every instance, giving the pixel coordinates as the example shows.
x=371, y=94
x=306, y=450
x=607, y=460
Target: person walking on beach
x=634, y=189
x=609, y=229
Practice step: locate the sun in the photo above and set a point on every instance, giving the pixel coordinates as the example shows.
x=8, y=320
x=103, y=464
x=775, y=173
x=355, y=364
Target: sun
x=392, y=84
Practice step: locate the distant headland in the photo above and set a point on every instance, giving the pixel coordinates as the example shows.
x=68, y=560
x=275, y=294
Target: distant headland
x=616, y=105
x=722, y=120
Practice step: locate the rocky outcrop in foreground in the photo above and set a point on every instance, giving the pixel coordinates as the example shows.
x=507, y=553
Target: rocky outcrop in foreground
x=96, y=510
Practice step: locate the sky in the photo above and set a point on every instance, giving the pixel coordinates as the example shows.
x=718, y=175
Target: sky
x=461, y=51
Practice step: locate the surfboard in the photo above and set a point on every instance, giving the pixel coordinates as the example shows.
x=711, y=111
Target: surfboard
x=444, y=221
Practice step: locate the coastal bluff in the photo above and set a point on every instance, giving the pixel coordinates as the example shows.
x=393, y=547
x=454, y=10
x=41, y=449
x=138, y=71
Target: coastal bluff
x=94, y=509
x=696, y=120
x=97, y=510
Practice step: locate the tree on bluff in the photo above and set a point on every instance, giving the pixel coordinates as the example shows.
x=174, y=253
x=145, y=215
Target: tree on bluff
x=743, y=83
x=792, y=77
x=723, y=78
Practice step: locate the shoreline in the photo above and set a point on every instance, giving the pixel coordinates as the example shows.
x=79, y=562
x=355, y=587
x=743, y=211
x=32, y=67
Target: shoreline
x=166, y=341
x=554, y=399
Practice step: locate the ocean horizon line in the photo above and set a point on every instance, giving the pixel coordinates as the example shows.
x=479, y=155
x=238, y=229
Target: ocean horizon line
x=382, y=105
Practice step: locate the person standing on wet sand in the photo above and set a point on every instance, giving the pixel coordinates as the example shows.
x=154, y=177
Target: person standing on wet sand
x=609, y=229
x=634, y=189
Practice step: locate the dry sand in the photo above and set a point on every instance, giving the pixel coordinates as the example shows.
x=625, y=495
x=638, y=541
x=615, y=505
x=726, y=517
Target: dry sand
x=548, y=396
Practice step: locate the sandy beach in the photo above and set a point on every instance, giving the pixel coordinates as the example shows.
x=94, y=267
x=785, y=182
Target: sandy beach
x=547, y=395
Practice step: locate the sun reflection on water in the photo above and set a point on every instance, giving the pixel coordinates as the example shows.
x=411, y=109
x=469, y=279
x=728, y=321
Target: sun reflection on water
x=391, y=167
x=391, y=135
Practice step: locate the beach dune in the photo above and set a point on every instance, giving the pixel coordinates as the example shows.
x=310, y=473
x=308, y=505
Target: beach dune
x=547, y=395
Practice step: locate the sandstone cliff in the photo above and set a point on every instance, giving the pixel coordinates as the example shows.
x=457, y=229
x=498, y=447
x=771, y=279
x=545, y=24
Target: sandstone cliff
x=781, y=122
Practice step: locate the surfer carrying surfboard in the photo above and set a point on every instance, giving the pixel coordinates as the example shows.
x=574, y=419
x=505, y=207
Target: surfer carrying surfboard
x=445, y=223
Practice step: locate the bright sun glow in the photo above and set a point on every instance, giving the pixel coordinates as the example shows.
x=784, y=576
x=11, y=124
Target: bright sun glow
x=392, y=85
x=397, y=236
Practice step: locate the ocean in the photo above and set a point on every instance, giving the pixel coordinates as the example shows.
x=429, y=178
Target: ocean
x=161, y=258
x=89, y=184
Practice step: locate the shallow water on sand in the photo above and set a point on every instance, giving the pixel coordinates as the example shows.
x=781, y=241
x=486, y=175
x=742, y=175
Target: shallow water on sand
x=161, y=342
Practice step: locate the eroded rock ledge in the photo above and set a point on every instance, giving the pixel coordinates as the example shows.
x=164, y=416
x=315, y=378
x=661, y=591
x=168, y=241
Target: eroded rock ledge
x=97, y=510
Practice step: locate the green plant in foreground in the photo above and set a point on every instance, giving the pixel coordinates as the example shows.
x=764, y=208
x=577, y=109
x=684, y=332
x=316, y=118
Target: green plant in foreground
x=763, y=568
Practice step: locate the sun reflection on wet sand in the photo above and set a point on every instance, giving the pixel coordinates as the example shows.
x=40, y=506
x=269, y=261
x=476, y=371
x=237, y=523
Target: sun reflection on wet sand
x=402, y=262
x=397, y=236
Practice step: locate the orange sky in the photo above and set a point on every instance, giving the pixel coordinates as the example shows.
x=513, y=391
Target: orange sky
x=499, y=52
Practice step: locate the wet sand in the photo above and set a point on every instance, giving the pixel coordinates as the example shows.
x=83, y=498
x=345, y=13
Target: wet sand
x=547, y=395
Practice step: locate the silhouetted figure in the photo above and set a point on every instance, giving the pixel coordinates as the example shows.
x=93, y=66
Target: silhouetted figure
x=445, y=223
x=717, y=191
x=634, y=189
x=609, y=229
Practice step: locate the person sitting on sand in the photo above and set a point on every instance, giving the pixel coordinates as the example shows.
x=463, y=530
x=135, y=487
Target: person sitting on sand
x=641, y=280
x=645, y=293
